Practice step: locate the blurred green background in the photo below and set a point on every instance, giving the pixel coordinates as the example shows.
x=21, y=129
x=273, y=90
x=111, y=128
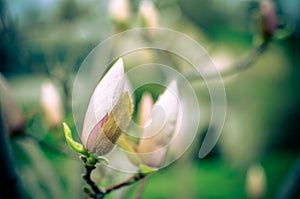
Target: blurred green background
x=47, y=40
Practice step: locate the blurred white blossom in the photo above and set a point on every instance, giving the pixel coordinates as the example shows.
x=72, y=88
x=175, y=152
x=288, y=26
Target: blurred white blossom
x=149, y=14
x=119, y=10
x=52, y=105
x=256, y=182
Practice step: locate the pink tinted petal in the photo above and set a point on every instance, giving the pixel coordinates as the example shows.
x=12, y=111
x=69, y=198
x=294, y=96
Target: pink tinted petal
x=95, y=132
x=145, y=109
x=104, y=98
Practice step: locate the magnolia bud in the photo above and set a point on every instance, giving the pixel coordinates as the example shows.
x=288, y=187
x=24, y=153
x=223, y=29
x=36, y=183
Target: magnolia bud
x=256, y=182
x=148, y=12
x=52, y=104
x=108, y=113
x=153, y=145
x=268, y=18
x=119, y=10
x=11, y=111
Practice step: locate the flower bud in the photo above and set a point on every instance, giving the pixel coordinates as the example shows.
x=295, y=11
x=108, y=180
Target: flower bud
x=268, y=19
x=119, y=11
x=153, y=145
x=256, y=182
x=52, y=104
x=11, y=111
x=108, y=113
x=149, y=14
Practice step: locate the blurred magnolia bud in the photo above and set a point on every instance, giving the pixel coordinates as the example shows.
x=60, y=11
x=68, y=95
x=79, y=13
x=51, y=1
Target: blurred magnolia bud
x=148, y=14
x=120, y=11
x=154, y=143
x=52, y=104
x=268, y=18
x=108, y=113
x=13, y=116
x=256, y=182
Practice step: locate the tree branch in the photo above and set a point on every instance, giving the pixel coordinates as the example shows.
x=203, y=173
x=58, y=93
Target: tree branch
x=240, y=65
x=136, y=177
x=97, y=193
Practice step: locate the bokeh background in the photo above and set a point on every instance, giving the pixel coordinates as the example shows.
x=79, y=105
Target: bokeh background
x=43, y=43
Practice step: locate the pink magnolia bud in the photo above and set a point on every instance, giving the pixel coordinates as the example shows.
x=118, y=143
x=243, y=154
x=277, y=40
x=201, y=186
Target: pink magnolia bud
x=108, y=113
x=268, y=18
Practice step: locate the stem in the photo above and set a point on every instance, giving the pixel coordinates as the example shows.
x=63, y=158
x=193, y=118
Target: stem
x=98, y=194
x=248, y=61
x=128, y=182
x=242, y=64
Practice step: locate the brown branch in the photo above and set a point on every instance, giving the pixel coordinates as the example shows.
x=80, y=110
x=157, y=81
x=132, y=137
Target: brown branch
x=238, y=66
x=97, y=193
x=135, y=178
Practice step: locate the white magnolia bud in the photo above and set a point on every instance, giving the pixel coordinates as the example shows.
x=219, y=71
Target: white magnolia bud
x=52, y=104
x=256, y=182
x=119, y=10
x=149, y=14
x=154, y=143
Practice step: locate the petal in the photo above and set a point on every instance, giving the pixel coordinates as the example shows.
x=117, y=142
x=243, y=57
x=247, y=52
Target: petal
x=104, y=98
x=145, y=109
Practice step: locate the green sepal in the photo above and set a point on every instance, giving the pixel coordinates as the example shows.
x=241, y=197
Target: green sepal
x=79, y=148
x=91, y=160
x=144, y=169
x=103, y=160
x=87, y=190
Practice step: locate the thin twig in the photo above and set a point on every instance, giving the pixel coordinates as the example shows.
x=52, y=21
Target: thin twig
x=130, y=181
x=98, y=194
x=240, y=65
x=247, y=62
